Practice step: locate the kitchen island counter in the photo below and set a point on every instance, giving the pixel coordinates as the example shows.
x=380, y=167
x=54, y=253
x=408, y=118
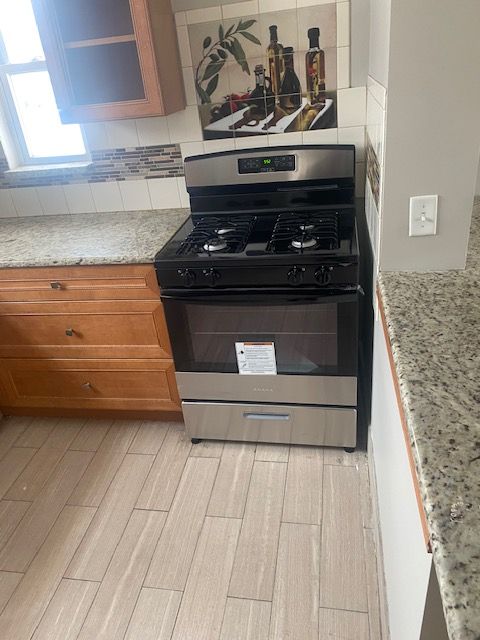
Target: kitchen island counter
x=433, y=324
x=131, y=237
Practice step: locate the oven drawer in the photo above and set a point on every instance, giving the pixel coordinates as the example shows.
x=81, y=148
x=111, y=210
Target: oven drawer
x=288, y=424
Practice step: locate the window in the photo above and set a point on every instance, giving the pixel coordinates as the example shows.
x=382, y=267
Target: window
x=27, y=92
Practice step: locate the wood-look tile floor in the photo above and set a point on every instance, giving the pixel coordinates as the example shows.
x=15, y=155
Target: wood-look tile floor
x=113, y=530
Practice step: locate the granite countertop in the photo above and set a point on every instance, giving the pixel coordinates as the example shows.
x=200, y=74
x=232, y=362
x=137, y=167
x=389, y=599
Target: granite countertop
x=433, y=322
x=93, y=238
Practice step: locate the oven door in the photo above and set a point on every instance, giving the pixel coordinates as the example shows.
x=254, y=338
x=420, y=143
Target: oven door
x=315, y=336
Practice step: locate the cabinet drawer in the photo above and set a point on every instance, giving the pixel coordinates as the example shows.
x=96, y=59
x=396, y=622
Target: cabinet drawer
x=123, y=329
x=142, y=385
x=122, y=282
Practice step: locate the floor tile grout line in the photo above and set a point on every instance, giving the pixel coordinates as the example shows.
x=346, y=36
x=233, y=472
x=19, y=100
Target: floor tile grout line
x=231, y=572
x=2, y=497
x=198, y=538
x=106, y=570
x=278, y=545
x=128, y=520
x=10, y=571
x=49, y=603
x=322, y=531
x=17, y=437
x=181, y=475
x=101, y=441
x=88, y=466
x=147, y=569
x=204, y=518
x=377, y=579
x=248, y=489
x=241, y=526
x=34, y=456
x=248, y=599
x=50, y=528
x=36, y=554
x=340, y=609
x=138, y=453
x=109, y=484
x=82, y=579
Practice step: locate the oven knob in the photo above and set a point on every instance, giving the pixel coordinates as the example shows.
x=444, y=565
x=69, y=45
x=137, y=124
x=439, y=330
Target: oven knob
x=323, y=275
x=212, y=275
x=295, y=275
x=187, y=276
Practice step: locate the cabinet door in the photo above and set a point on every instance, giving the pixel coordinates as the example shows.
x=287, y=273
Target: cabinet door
x=103, y=60
x=406, y=562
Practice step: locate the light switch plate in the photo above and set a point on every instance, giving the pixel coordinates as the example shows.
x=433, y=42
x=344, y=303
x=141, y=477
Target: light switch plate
x=423, y=216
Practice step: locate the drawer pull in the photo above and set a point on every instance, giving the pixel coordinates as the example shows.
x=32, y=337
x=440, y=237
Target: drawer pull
x=69, y=332
x=267, y=416
x=56, y=285
x=87, y=386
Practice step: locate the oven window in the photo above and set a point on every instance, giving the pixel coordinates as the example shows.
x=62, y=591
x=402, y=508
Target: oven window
x=309, y=339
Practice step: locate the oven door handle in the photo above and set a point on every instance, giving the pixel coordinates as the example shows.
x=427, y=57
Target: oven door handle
x=264, y=297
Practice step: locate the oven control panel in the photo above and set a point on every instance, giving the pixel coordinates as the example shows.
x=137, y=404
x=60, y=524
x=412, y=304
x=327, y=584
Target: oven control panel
x=266, y=164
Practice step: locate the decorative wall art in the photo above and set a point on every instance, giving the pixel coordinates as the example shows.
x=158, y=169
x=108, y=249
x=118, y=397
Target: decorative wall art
x=266, y=73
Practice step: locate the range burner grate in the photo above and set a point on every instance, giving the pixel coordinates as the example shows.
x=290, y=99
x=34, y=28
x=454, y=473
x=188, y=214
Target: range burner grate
x=217, y=235
x=298, y=232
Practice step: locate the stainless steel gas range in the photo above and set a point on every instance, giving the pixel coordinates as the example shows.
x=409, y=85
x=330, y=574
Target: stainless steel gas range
x=261, y=293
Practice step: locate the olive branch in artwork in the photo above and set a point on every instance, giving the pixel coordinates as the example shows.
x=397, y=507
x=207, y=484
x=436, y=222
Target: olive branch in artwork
x=215, y=55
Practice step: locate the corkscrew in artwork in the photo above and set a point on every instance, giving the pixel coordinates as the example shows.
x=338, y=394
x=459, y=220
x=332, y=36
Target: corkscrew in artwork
x=248, y=82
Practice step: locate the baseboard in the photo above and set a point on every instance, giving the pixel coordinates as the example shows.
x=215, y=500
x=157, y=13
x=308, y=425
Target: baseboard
x=382, y=591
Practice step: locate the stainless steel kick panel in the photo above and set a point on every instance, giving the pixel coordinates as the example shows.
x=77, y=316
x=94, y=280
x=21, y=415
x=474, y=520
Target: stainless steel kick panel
x=285, y=424
x=222, y=168
x=329, y=390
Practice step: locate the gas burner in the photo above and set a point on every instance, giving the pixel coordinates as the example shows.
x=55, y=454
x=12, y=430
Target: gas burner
x=296, y=232
x=217, y=234
x=215, y=244
x=304, y=242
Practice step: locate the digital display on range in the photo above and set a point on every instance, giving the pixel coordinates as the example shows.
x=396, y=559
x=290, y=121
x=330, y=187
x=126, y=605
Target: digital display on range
x=268, y=164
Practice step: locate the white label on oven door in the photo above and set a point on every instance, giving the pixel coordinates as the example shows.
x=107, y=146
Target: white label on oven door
x=256, y=358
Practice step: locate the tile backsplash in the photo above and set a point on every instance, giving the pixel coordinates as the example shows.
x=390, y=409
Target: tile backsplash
x=138, y=164
x=375, y=157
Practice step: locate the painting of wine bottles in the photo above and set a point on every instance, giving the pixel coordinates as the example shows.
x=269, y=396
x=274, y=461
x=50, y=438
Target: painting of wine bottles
x=266, y=74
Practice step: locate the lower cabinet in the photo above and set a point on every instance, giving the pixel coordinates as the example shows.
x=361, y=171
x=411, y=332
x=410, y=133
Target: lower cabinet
x=412, y=594
x=84, y=339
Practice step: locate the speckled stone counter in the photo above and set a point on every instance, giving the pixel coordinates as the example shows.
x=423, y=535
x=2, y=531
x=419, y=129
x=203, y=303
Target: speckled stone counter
x=433, y=322
x=94, y=238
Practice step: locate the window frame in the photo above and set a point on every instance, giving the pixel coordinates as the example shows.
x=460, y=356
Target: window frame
x=13, y=121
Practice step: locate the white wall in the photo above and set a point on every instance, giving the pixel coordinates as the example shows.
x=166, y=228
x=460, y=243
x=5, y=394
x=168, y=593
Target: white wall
x=379, y=40
x=432, y=134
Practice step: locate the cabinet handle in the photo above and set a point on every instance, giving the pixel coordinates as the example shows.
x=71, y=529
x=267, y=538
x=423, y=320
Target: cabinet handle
x=86, y=385
x=69, y=332
x=56, y=285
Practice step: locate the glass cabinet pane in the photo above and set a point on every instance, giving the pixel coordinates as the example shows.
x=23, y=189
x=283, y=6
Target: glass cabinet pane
x=105, y=73
x=91, y=19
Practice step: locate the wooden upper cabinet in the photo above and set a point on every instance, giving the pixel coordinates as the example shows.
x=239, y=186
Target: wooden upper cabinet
x=111, y=59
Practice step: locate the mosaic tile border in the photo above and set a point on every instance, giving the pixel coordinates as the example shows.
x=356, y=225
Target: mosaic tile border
x=108, y=165
x=373, y=171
